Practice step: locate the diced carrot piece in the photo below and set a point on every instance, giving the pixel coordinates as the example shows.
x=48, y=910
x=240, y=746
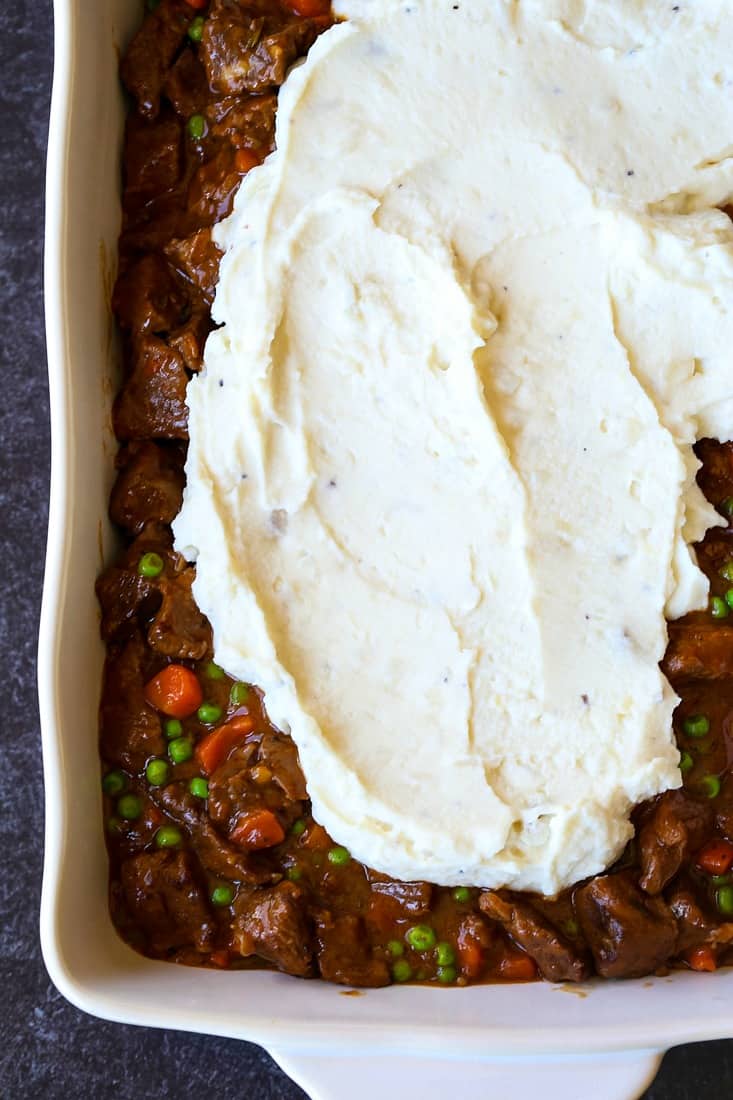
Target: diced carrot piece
x=470, y=959
x=516, y=967
x=701, y=958
x=244, y=159
x=309, y=8
x=220, y=958
x=716, y=857
x=316, y=839
x=174, y=691
x=258, y=829
x=213, y=749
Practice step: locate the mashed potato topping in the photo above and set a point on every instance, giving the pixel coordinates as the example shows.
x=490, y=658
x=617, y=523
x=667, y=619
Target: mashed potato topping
x=476, y=309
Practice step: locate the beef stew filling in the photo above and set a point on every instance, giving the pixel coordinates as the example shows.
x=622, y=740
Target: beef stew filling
x=215, y=857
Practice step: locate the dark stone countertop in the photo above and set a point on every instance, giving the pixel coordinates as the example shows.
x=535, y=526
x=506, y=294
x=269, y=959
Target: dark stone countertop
x=48, y=1049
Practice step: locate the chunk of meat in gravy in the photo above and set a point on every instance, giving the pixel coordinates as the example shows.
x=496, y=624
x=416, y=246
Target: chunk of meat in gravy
x=130, y=730
x=694, y=924
x=124, y=598
x=475, y=941
x=149, y=486
x=274, y=923
x=216, y=854
x=152, y=401
x=629, y=932
x=392, y=901
x=231, y=791
x=186, y=87
x=250, y=121
x=676, y=827
x=153, y=157
x=555, y=956
x=197, y=259
x=246, y=52
x=278, y=753
x=152, y=52
x=699, y=651
x=189, y=339
x=179, y=630
x=344, y=955
x=164, y=898
x=146, y=298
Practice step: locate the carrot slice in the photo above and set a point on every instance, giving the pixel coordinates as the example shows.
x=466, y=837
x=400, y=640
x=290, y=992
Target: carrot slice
x=308, y=8
x=213, y=749
x=701, y=958
x=174, y=691
x=220, y=958
x=258, y=829
x=716, y=857
x=517, y=968
x=470, y=958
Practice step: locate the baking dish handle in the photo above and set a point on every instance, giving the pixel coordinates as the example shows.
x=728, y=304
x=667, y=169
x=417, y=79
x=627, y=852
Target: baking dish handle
x=403, y=1077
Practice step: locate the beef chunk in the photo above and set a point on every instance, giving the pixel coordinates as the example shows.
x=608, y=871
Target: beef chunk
x=344, y=955
x=231, y=790
x=164, y=898
x=152, y=52
x=557, y=959
x=246, y=52
x=197, y=259
x=273, y=922
x=130, y=729
x=699, y=651
x=189, y=339
x=249, y=122
x=629, y=933
x=212, y=190
x=153, y=157
x=149, y=486
x=179, y=630
x=694, y=925
x=216, y=854
x=677, y=826
x=475, y=939
x=716, y=477
x=277, y=752
x=147, y=299
x=124, y=598
x=152, y=402
x=391, y=901
x=185, y=86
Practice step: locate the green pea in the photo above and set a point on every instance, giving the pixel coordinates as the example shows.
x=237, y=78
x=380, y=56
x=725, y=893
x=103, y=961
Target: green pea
x=199, y=787
x=445, y=954
x=239, y=694
x=727, y=571
x=196, y=127
x=156, y=772
x=196, y=28
x=222, y=894
x=150, y=565
x=129, y=807
x=686, y=762
x=724, y=900
x=180, y=750
x=168, y=836
x=721, y=880
x=726, y=507
x=710, y=786
x=114, y=783
x=729, y=597
x=718, y=608
x=213, y=671
x=209, y=714
x=446, y=974
x=697, y=725
x=114, y=824
x=401, y=971
x=339, y=855
x=173, y=728
x=396, y=948
x=421, y=937
x=298, y=827
x=294, y=874
x=461, y=894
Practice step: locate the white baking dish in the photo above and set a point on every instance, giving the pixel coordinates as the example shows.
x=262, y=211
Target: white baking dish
x=603, y=1040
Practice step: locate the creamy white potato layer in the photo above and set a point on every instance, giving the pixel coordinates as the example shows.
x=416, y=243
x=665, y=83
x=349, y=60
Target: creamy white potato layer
x=476, y=309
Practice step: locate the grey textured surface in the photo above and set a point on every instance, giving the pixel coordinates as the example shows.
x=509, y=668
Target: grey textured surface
x=48, y=1049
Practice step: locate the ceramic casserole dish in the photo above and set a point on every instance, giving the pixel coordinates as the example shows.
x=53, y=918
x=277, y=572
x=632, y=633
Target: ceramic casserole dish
x=535, y=1040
